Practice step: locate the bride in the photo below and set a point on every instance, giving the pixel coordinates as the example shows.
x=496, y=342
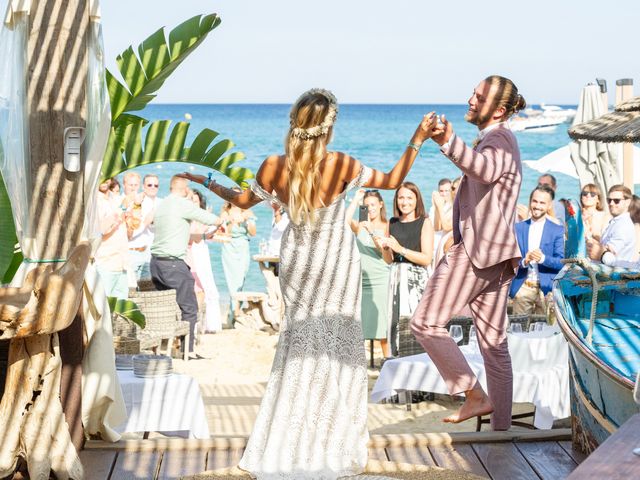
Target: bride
x=312, y=419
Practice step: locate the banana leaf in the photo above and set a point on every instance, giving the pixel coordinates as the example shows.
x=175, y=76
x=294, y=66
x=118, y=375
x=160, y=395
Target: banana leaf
x=162, y=144
x=157, y=59
x=10, y=254
x=127, y=309
x=143, y=75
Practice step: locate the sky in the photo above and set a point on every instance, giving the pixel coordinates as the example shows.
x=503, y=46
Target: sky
x=402, y=51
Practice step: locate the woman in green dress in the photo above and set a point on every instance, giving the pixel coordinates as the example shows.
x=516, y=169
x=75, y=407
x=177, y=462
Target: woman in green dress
x=375, y=271
x=239, y=226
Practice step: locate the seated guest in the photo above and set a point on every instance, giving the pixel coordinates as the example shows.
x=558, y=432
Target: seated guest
x=594, y=215
x=541, y=243
x=618, y=240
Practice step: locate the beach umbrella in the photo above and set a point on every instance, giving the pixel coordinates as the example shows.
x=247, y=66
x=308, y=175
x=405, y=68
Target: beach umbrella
x=622, y=125
x=559, y=161
x=595, y=162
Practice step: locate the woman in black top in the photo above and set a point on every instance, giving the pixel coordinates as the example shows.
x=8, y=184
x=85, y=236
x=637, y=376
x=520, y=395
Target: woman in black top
x=408, y=247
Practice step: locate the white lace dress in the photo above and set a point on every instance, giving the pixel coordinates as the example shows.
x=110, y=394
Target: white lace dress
x=312, y=419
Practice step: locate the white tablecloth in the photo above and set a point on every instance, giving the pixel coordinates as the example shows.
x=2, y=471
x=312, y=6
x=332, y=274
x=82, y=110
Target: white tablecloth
x=163, y=404
x=540, y=374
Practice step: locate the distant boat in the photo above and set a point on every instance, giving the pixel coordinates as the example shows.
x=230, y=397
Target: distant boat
x=545, y=119
x=604, y=346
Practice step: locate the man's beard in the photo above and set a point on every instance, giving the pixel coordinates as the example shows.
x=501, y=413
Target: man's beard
x=477, y=118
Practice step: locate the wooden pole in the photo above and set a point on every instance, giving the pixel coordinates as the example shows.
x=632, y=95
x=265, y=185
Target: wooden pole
x=624, y=91
x=56, y=89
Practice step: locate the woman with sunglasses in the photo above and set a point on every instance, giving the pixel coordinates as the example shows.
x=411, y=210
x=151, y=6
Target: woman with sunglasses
x=409, y=249
x=594, y=215
x=375, y=271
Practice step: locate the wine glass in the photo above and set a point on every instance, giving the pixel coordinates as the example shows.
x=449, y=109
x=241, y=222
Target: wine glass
x=540, y=326
x=473, y=337
x=516, y=328
x=456, y=333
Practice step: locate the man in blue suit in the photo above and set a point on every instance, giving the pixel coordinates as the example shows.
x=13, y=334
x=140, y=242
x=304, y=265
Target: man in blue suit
x=541, y=243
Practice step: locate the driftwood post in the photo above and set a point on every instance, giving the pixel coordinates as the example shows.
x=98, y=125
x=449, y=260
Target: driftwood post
x=44, y=367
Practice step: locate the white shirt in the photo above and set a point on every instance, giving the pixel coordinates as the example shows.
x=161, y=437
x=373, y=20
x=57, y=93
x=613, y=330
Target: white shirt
x=620, y=236
x=143, y=235
x=535, y=237
x=277, y=229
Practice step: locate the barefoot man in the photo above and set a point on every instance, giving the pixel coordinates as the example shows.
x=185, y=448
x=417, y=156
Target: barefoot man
x=477, y=270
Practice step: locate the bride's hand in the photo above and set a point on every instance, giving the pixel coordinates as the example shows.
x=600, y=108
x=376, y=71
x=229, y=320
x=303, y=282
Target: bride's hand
x=425, y=129
x=442, y=131
x=191, y=177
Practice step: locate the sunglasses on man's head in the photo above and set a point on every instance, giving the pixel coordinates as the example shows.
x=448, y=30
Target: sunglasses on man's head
x=153, y=185
x=615, y=200
x=370, y=191
x=589, y=194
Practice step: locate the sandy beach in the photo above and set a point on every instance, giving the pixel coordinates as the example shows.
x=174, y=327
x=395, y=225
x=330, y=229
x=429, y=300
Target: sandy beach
x=235, y=369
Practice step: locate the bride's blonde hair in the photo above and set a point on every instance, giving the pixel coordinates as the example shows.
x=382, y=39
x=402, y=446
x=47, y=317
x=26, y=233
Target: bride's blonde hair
x=312, y=118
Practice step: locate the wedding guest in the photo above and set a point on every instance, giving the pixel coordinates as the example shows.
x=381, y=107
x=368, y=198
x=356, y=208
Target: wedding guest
x=477, y=270
x=559, y=211
x=375, y=271
x=409, y=249
x=279, y=224
x=141, y=237
x=541, y=244
x=441, y=212
x=594, y=215
x=618, y=240
x=199, y=260
x=634, y=213
x=169, y=249
x=111, y=257
x=114, y=191
x=240, y=224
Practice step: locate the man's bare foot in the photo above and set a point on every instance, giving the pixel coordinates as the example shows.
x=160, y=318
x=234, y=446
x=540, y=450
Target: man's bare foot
x=476, y=404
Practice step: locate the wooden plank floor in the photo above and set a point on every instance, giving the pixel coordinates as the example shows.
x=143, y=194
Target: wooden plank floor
x=510, y=460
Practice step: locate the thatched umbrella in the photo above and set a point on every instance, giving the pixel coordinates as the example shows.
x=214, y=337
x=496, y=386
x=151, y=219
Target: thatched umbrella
x=622, y=125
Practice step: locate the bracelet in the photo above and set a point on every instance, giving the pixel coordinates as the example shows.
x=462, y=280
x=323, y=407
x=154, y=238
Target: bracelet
x=207, y=182
x=414, y=146
x=606, y=250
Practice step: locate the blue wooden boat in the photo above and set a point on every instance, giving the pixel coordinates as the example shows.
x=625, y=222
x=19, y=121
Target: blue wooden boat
x=598, y=310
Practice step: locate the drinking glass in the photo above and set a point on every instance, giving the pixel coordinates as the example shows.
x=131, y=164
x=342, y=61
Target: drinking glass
x=516, y=328
x=473, y=337
x=540, y=326
x=456, y=333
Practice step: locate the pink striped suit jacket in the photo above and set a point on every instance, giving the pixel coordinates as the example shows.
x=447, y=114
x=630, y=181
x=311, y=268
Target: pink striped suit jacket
x=484, y=210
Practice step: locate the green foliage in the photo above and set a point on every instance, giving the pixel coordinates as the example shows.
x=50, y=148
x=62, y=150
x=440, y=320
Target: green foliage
x=143, y=75
x=10, y=255
x=127, y=309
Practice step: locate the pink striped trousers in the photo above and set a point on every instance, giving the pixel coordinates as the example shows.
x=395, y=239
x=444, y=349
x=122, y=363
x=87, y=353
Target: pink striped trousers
x=454, y=284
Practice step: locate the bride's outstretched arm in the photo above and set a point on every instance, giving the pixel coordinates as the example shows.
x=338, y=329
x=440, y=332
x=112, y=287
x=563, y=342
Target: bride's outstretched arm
x=243, y=199
x=394, y=177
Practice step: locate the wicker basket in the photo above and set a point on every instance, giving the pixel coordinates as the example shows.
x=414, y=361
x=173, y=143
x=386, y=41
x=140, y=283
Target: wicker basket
x=126, y=345
x=161, y=311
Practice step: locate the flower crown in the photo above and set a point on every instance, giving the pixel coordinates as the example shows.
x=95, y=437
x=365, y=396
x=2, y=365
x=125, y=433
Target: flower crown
x=327, y=123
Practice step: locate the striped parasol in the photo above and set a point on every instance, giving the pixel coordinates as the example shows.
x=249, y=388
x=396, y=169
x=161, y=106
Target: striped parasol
x=622, y=125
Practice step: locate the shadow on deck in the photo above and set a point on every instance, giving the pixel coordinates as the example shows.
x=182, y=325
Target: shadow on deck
x=509, y=455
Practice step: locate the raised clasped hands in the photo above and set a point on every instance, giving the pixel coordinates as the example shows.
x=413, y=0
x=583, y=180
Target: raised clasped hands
x=442, y=131
x=425, y=129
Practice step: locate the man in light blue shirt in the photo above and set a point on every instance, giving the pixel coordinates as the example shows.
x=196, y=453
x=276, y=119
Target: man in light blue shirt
x=172, y=223
x=618, y=240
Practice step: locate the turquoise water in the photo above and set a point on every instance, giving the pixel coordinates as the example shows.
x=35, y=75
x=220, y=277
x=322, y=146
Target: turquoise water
x=374, y=134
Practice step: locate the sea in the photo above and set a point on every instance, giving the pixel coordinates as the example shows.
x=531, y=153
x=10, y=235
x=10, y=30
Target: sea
x=374, y=134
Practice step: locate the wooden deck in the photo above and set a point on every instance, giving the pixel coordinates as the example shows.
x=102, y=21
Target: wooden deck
x=518, y=455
